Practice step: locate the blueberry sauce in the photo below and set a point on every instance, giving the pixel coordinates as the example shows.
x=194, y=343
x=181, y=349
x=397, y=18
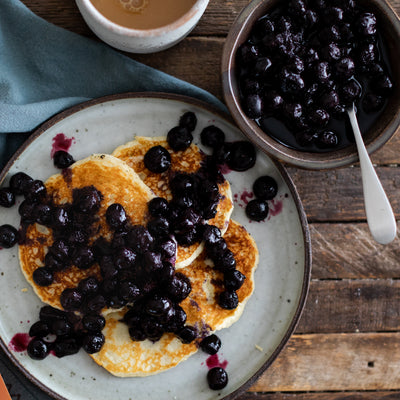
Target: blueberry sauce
x=213, y=361
x=246, y=196
x=61, y=142
x=19, y=342
x=275, y=207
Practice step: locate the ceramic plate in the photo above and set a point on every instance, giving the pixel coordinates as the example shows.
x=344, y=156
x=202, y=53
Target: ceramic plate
x=281, y=280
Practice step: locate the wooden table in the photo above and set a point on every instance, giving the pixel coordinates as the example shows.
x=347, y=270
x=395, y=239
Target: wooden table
x=347, y=344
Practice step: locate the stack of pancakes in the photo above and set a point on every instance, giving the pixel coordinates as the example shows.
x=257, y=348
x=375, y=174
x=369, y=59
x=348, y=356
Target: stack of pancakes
x=122, y=178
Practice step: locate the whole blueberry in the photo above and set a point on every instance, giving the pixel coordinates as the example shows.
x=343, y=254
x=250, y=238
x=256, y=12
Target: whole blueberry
x=366, y=24
x=8, y=236
x=217, y=378
x=87, y=199
x=116, y=216
x=35, y=190
x=327, y=139
x=228, y=300
x=71, y=299
x=82, y=257
x=157, y=159
x=93, y=322
x=89, y=286
x=19, y=181
x=265, y=187
x=188, y=120
x=179, y=138
x=62, y=159
x=212, y=136
x=187, y=334
x=372, y=102
x=233, y=279
x=93, y=342
x=257, y=209
x=38, y=349
x=211, y=344
x=66, y=346
x=7, y=197
x=43, y=276
x=158, y=207
x=253, y=106
x=39, y=329
x=242, y=156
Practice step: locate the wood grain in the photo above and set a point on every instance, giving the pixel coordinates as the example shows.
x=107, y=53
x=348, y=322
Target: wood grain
x=335, y=362
x=351, y=306
x=381, y=395
x=347, y=251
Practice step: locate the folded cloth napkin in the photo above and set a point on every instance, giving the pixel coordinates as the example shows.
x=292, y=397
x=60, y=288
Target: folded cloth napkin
x=45, y=69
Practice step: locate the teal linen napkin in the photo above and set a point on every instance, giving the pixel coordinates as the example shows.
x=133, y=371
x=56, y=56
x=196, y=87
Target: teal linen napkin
x=45, y=69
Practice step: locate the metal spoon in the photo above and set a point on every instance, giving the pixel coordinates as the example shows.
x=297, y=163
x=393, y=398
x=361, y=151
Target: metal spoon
x=380, y=217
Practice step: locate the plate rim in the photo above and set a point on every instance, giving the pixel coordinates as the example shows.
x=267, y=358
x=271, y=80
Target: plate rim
x=223, y=115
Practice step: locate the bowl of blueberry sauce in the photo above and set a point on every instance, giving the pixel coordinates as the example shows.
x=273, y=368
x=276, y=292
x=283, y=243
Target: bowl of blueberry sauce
x=291, y=68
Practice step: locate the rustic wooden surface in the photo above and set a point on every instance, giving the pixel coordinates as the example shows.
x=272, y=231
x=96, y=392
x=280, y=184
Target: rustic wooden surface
x=347, y=344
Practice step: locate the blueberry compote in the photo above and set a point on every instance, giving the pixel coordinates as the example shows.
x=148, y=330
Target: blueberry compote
x=304, y=63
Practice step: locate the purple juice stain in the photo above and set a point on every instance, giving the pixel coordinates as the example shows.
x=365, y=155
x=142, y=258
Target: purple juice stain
x=61, y=142
x=275, y=207
x=19, y=342
x=214, y=361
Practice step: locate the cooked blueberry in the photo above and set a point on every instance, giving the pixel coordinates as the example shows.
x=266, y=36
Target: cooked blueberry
x=382, y=85
x=152, y=262
x=157, y=159
x=178, y=320
x=217, y=378
x=139, y=239
x=86, y=199
x=93, y=322
x=253, y=106
x=26, y=211
x=39, y=329
x=128, y=291
x=179, y=138
x=60, y=217
x=257, y=209
x=366, y=24
x=330, y=100
x=93, y=342
x=124, y=258
x=65, y=347
x=60, y=249
x=158, y=305
x=311, y=56
x=350, y=92
x=212, y=136
x=318, y=118
x=60, y=327
x=226, y=262
x=62, y=159
x=8, y=236
x=217, y=249
x=372, y=102
x=179, y=287
x=249, y=86
x=265, y=187
x=367, y=54
x=331, y=52
x=42, y=213
x=48, y=314
x=327, y=139
x=158, y=207
x=233, y=279
x=38, y=349
x=7, y=197
x=187, y=334
x=322, y=72
x=168, y=249
x=19, y=181
x=71, y=299
x=82, y=257
x=292, y=83
x=262, y=66
x=330, y=34
x=43, y=276
x=242, y=156
x=35, y=190
x=211, y=344
x=188, y=120
x=167, y=272
x=116, y=216
x=293, y=111
x=137, y=334
x=273, y=101
x=211, y=234
x=97, y=303
x=248, y=53
x=262, y=27
x=228, y=300
x=333, y=15
x=89, y=286
x=182, y=183
x=158, y=227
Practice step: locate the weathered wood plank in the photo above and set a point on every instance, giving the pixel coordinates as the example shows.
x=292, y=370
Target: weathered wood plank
x=348, y=251
x=381, y=395
x=339, y=196
x=351, y=306
x=336, y=362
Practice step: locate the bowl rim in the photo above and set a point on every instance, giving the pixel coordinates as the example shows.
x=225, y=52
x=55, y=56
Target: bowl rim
x=302, y=159
x=282, y=170
x=197, y=9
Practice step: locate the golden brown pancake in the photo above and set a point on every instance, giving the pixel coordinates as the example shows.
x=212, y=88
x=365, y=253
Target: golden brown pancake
x=123, y=357
x=188, y=161
x=117, y=182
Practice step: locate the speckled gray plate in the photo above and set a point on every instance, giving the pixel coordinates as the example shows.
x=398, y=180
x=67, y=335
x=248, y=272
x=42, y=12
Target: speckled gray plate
x=281, y=280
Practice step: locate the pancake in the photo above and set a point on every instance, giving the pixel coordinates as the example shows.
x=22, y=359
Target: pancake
x=126, y=358
x=188, y=161
x=117, y=182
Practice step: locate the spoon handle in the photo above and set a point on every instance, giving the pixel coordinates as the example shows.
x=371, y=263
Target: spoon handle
x=380, y=217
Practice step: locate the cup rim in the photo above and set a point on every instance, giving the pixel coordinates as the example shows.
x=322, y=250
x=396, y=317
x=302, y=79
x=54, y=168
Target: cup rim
x=198, y=7
x=302, y=159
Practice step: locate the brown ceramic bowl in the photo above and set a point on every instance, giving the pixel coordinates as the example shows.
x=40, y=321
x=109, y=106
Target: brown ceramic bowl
x=382, y=130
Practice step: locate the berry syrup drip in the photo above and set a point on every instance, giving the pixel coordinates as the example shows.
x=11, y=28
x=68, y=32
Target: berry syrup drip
x=19, y=342
x=275, y=207
x=61, y=142
x=213, y=361
x=304, y=64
